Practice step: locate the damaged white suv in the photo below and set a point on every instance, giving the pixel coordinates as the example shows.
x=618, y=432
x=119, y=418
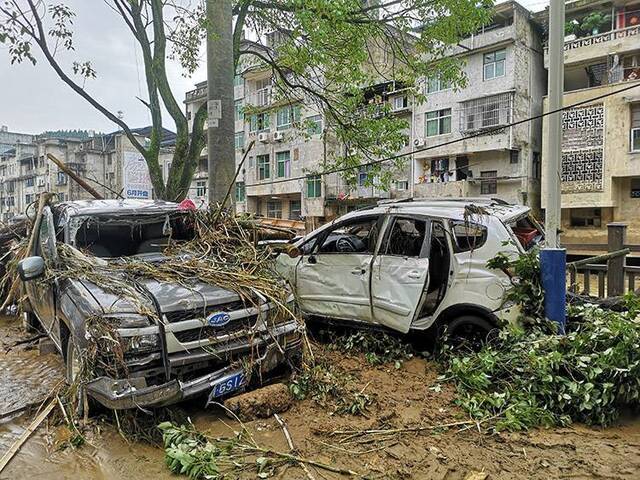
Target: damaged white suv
x=408, y=265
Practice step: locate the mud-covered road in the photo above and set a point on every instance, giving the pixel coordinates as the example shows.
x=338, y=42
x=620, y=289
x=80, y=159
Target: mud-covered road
x=401, y=398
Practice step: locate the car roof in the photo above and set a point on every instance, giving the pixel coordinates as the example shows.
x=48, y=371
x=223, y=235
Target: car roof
x=452, y=208
x=125, y=206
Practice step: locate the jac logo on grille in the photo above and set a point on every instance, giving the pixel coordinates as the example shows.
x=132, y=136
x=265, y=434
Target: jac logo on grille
x=218, y=319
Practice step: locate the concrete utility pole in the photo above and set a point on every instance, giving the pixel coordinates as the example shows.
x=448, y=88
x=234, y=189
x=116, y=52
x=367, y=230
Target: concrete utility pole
x=553, y=259
x=220, y=72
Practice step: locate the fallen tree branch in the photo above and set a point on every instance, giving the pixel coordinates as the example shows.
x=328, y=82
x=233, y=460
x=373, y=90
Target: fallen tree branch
x=287, y=436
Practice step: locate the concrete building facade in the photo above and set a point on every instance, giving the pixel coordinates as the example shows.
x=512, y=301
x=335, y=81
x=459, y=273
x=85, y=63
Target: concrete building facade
x=601, y=138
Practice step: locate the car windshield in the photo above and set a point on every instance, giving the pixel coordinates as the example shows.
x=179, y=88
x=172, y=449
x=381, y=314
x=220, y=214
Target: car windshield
x=114, y=235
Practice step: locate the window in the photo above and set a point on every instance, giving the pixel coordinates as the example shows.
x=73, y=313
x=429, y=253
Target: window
x=635, y=127
x=61, y=197
x=494, y=64
x=355, y=236
x=514, y=156
x=29, y=182
x=201, y=188
x=586, y=217
x=438, y=122
x=28, y=198
x=283, y=164
x=239, y=115
x=239, y=140
x=406, y=238
x=402, y=185
x=259, y=122
x=314, y=186
x=314, y=125
x=436, y=84
x=61, y=178
x=635, y=187
x=363, y=175
x=238, y=81
x=241, y=193
x=486, y=112
x=440, y=170
x=264, y=167
x=274, y=209
x=468, y=236
x=295, y=210
x=489, y=186
x=400, y=103
x=287, y=116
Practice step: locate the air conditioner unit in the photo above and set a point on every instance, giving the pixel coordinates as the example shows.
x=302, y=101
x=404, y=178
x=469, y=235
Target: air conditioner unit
x=263, y=137
x=278, y=136
x=419, y=142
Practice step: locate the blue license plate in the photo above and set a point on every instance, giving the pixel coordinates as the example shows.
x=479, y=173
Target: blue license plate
x=227, y=385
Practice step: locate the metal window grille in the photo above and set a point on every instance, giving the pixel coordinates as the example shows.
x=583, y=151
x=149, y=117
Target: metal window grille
x=486, y=112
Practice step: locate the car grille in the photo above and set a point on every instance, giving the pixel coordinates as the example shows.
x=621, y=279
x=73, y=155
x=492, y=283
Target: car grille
x=213, y=333
x=182, y=315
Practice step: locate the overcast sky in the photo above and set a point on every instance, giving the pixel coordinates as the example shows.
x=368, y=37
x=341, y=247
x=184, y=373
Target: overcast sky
x=33, y=99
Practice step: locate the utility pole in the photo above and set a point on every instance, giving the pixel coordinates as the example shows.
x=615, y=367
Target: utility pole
x=220, y=72
x=553, y=259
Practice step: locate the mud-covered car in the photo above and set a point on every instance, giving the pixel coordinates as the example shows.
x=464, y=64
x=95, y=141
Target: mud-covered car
x=410, y=264
x=198, y=341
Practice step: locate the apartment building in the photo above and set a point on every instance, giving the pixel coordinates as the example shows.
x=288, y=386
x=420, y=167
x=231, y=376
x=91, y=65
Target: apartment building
x=600, y=178
x=10, y=140
x=108, y=162
x=506, y=78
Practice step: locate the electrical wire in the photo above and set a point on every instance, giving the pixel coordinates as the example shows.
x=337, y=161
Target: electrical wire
x=443, y=144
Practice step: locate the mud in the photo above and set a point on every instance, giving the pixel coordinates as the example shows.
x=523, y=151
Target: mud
x=261, y=403
x=409, y=397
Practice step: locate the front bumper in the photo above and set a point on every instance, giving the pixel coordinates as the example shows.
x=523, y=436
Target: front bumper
x=120, y=394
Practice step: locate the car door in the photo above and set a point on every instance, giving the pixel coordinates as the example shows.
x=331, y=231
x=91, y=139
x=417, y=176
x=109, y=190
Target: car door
x=332, y=280
x=400, y=272
x=41, y=292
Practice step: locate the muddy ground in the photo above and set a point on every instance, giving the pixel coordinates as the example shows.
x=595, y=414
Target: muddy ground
x=403, y=398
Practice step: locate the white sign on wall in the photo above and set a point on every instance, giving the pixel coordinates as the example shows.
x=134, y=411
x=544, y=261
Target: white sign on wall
x=136, y=179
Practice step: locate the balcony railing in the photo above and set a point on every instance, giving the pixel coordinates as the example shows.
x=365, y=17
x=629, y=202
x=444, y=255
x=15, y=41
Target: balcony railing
x=196, y=94
x=260, y=98
x=602, y=38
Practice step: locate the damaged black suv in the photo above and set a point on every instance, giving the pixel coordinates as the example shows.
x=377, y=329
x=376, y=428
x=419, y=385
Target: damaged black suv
x=200, y=337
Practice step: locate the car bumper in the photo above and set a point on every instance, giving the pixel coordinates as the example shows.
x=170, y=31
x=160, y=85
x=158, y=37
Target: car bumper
x=120, y=394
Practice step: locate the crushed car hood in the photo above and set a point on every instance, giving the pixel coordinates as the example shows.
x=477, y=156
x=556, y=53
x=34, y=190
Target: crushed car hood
x=170, y=297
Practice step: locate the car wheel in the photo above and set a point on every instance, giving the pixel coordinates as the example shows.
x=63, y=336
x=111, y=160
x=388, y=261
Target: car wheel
x=469, y=332
x=73, y=362
x=30, y=322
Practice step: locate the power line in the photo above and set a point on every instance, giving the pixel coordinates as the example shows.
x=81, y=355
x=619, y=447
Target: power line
x=444, y=144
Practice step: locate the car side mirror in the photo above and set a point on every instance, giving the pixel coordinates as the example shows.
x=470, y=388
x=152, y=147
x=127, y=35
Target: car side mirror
x=312, y=259
x=31, y=268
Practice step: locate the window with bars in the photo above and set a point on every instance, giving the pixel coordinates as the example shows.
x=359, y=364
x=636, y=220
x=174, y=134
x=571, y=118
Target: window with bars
x=635, y=127
x=264, y=167
x=295, y=210
x=486, y=112
x=438, y=122
x=494, y=64
x=283, y=164
x=489, y=182
x=274, y=209
x=201, y=188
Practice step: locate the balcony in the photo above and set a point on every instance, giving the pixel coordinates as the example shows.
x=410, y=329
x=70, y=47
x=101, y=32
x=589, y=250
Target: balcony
x=260, y=98
x=199, y=93
x=341, y=191
x=460, y=188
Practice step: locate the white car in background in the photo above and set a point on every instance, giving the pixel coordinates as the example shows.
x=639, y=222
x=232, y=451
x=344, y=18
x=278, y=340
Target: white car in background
x=410, y=264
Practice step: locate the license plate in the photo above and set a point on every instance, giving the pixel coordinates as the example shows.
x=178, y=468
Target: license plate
x=227, y=385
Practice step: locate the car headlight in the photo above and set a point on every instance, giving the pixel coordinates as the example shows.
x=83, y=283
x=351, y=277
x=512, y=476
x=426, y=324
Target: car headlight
x=128, y=320
x=140, y=344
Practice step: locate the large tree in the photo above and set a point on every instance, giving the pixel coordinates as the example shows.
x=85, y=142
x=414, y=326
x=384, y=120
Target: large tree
x=328, y=52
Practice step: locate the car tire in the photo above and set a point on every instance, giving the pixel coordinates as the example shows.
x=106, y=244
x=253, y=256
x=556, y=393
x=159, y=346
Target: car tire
x=73, y=362
x=30, y=322
x=469, y=332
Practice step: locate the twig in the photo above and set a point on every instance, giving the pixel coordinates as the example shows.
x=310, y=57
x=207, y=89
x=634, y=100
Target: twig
x=226, y=197
x=287, y=435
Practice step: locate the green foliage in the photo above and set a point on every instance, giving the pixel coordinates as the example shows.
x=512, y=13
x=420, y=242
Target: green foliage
x=378, y=347
x=526, y=287
x=325, y=384
x=528, y=377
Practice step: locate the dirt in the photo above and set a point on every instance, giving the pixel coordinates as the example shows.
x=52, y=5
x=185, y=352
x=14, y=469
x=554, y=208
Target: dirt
x=261, y=403
x=409, y=398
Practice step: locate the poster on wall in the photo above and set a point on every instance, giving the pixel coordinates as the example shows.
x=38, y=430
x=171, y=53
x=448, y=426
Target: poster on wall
x=136, y=180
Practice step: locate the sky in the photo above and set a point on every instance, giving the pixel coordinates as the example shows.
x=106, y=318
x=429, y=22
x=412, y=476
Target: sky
x=33, y=99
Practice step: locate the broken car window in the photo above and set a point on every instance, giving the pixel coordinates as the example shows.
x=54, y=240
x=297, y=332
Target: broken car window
x=406, y=238
x=357, y=236
x=468, y=236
